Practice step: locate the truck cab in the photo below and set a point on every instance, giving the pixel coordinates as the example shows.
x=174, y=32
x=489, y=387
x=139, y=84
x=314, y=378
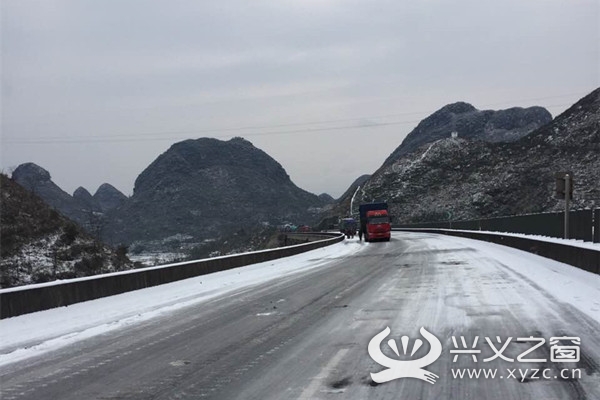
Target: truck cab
x=375, y=222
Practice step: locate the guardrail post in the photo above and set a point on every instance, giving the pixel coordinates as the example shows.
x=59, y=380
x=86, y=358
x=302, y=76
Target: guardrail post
x=597, y=225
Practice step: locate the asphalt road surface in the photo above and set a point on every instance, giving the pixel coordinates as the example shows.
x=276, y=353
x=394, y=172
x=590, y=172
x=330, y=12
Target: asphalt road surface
x=306, y=336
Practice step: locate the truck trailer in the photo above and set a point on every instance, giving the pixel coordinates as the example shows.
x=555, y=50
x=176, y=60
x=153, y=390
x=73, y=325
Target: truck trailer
x=348, y=227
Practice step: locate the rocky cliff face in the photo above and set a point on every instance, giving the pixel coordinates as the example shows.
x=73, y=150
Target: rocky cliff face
x=205, y=188
x=470, y=123
x=38, y=244
x=459, y=178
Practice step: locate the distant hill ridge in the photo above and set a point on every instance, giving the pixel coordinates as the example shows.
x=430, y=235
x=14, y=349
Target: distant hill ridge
x=198, y=190
x=80, y=207
x=206, y=188
x=459, y=178
x=470, y=123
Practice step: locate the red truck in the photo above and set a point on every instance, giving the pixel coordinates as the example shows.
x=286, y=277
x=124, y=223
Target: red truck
x=374, y=222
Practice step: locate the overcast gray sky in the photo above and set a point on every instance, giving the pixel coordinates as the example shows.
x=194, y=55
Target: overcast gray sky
x=94, y=90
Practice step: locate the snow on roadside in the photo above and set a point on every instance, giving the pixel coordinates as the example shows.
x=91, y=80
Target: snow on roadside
x=131, y=271
x=29, y=335
x=568, y=242
x=566, y=283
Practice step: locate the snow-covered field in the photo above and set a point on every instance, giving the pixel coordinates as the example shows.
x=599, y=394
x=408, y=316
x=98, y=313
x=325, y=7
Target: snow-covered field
x=27, y=335
x=152, y=259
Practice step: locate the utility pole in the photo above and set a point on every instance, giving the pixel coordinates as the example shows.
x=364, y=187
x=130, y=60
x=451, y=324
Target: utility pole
x=567, y=203
x=564, y=190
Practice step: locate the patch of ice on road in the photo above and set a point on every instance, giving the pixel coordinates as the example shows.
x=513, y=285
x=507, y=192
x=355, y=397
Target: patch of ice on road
x=564, y=282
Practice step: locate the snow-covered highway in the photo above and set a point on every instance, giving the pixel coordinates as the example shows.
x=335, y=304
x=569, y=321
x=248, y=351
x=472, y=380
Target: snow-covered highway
x=299, y=328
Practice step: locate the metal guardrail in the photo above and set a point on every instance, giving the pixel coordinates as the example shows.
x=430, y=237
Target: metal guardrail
x=545, y=224
x=584, y=258
x=17, y=301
